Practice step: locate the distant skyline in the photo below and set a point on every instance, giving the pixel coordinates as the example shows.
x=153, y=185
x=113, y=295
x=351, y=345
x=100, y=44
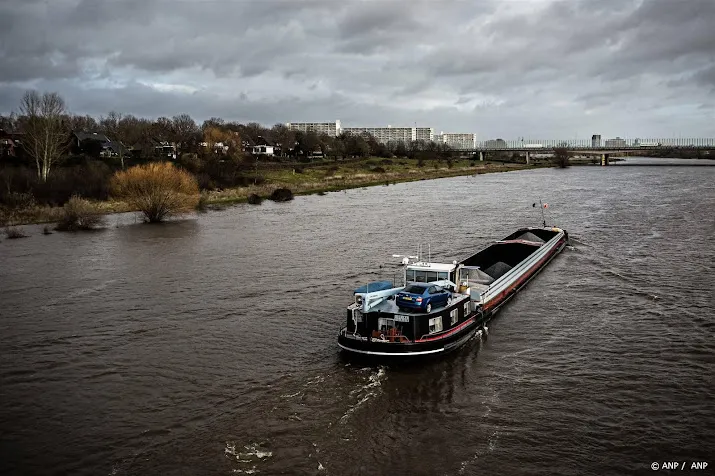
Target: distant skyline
x=511, y=68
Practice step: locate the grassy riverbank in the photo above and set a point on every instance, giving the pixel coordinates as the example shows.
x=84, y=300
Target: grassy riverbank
x=309, y=179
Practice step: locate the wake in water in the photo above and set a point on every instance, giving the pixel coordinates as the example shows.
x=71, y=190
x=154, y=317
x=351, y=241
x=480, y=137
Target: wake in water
x=364, y=393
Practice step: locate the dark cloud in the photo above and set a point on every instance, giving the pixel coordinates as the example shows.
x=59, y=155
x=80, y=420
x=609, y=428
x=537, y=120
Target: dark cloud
x=526, y=67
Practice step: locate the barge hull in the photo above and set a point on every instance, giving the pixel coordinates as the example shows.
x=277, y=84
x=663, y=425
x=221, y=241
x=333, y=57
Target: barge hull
x=502, y=290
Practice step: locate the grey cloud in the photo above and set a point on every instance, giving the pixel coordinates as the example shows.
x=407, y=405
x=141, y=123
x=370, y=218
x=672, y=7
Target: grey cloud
x=496, y=68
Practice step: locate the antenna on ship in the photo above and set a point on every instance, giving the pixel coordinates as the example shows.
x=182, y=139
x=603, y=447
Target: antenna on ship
x=429, y=252
x=542, y=206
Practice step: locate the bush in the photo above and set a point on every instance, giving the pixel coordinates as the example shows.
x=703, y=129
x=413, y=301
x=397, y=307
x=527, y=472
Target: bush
x=190, y=162
x=420, y=162
x=203, y=203
x=378, y=170
x=79, y=214
x=298, y=170
x=282, y=195
x=450, y=164
x=387, y=162
x=158, y=190
x=46, y=230
x=14, y=233
x=254, y=199
x=18, y=200
x=561, y=157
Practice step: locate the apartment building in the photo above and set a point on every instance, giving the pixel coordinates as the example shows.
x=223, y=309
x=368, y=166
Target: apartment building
x=424, y=133
x=457, y=141
x=617, y=142
x=332, y=129
x=385, y=134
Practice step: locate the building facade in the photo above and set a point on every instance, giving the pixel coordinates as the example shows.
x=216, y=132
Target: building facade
x=424, y=133
x=596, y=140
x=617, y=142
x=457, y=141
x=384, y=134
x=330, y=128
x=381, y=134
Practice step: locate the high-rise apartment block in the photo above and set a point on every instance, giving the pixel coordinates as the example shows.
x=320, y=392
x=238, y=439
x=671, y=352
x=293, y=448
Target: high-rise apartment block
x=381, y=134
x=466, y=141
x=330, y=128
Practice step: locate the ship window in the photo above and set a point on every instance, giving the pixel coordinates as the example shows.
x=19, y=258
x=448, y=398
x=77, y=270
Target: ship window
x=435, y=324
x=410, y=275
x=466, y=308
x=441, y=276
x=424, y=276
x=454, y=315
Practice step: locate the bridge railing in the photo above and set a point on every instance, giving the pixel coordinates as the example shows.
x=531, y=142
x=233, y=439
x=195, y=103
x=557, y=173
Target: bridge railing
x=617, y=143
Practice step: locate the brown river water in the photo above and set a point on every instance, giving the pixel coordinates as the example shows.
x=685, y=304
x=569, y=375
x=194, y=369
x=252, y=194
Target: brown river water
x=209, y=345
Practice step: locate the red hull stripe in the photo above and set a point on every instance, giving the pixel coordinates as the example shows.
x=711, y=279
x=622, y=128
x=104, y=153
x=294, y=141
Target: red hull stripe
x=453, y=330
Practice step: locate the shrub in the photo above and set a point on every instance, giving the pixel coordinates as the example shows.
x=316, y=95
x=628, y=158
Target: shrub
x=378, y=170
x=79, y=214
x=387, y=162
x=46, y=230
x=158, y=190
x=450, y=164
x=321, y=193
x=298, y=170
x=18, y=200
x=561, y=157
x=420, y=162
x=203, y=202
x=14, y=232
x=254, y=199
x=282, y=195
x=190, y=162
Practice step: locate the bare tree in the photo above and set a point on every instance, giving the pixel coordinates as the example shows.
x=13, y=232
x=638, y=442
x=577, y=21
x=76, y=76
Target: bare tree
x=45, y=138
x=184, y=130
x=112, y=128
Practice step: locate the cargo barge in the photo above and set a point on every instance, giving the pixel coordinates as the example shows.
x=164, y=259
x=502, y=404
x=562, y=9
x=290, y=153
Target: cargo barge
x=440, y=307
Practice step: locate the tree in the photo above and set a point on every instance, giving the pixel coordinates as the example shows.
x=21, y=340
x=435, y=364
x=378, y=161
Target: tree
x=112, y=128
x=157, y=189
x=561, y=157
x=8, y=123
x=46, y=136
x=82, y=124
x=284, y=138
x=184, y=130
x=216, y=138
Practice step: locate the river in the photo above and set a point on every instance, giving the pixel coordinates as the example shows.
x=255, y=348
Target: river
x=209, y=345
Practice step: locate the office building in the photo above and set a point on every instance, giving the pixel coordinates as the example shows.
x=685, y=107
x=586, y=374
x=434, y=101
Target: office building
x=596, y=140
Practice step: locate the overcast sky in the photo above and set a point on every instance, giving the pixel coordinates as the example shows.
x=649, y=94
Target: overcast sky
x=509, y=68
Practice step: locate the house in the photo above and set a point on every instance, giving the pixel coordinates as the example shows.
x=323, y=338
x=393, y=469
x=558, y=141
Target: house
x=264, y=147
x=10, y=144
x=154, y=148
x=90, y=143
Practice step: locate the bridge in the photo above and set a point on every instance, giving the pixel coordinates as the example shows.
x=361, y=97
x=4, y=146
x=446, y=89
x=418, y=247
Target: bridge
x=590, y=147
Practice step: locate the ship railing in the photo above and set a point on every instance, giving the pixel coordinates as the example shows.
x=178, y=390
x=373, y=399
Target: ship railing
x=387, y=336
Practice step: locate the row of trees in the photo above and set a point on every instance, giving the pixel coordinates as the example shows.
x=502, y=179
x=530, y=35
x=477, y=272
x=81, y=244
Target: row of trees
x=45, y=125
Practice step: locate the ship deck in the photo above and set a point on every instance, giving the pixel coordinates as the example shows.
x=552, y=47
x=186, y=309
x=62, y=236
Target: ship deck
x=389, y=306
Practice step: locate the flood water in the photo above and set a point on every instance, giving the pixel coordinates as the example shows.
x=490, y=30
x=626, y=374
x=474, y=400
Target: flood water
x=209, y=345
